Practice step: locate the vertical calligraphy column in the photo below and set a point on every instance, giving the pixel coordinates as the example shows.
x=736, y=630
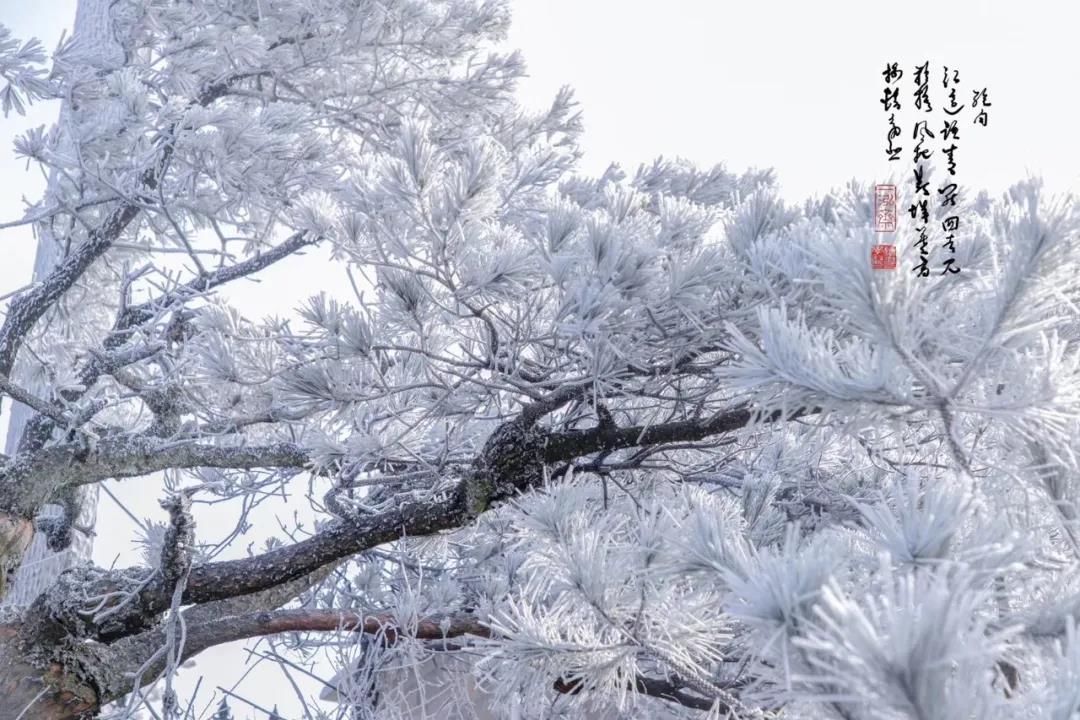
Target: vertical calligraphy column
x=950, y=132
x=893, y=74
x=920, y=207
x=883, y=256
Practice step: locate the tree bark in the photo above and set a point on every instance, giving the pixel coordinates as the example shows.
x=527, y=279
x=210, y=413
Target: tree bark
x=36, y=567
x=38, y=691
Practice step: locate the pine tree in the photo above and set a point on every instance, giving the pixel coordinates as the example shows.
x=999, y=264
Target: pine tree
x=656, y=444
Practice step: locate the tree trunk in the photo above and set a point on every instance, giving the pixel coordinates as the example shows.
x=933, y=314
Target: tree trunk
x=96, y=45
x=29, y=690
x=31, y=686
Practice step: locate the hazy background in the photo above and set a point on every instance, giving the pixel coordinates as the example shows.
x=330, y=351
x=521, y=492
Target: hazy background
x=789, y=85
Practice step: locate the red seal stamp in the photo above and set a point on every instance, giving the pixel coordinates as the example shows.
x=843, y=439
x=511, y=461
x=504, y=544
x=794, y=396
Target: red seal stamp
x=883, y=257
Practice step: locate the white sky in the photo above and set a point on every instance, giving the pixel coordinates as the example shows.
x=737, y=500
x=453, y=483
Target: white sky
x=790, y=85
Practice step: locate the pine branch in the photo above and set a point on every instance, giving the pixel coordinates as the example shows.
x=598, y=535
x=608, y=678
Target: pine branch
x=388, y=628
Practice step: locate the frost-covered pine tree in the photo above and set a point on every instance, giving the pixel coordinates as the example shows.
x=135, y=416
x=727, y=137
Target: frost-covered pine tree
x=644, y=445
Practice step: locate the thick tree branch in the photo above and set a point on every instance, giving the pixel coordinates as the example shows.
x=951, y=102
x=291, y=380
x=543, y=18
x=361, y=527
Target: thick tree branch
x=303, y=620
x=259, y=602
x=26, y=309
x=338, y=539
x=346, y=537
x=30, y=400
x=511, y=461
x=508, y=463
x=570, y=444
x=32, y=478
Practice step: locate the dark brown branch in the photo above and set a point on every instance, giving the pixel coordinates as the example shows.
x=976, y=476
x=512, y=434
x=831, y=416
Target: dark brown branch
x=259, y=602
x=303, y=620
x=337, y=540
x=570, y=444
x=221, y=581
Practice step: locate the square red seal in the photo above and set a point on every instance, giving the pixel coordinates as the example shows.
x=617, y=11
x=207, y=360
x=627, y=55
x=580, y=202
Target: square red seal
x=883, y=257
x=885, y=208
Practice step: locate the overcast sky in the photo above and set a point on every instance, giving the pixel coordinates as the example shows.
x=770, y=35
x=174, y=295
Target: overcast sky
x=790, y=85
